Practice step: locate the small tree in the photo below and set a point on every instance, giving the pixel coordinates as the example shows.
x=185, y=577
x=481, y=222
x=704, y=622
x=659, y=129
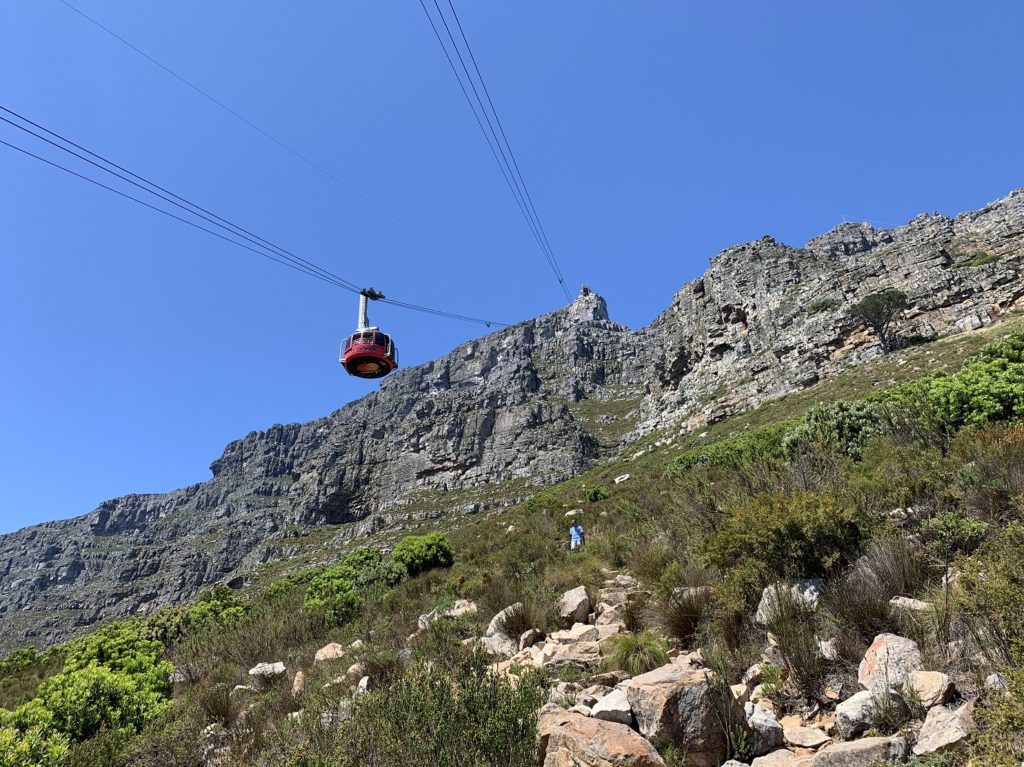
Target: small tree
x=880, y=311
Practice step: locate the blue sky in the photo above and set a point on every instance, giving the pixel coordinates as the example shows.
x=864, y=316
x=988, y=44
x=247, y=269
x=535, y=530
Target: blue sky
x=651, y=134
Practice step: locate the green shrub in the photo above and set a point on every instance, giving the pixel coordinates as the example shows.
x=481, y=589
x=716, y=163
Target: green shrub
x=842, y=426
x=33, y=747
x=737, y=451
x=418, y=553
x=86, y=700
x=434, y=717
x=596, y=494
x=778, y=537
x=637, y=653
x=949, y=533
x=990, y=597
x=122, y=648
x=999, y=740
x=824, y=305
x=335, y=592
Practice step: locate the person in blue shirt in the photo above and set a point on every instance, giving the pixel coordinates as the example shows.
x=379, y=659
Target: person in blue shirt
x=576, y=536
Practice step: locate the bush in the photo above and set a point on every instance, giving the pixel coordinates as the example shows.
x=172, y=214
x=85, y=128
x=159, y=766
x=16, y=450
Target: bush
x=792, y=623
x=842, y=426
x=418, y=553
x=596, y=494
x=737, y=451
x=681, y=613
x=34, y=747
x=949, y=533
x=637, y=653
x=778, y=537
x=84, y=701
x=990, y=596
x=334, y=593
x=999, y=740
x=433, y=717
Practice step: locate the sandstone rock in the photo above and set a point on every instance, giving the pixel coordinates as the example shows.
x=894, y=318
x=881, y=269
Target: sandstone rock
x=782, y=758
x=910, y=605
x=889, y=662
x=332, y=651
x=857, y=714
x=364, y=685
x=298, y=684
x=263, y=676
x=462, y=607
x=497, y=625
x=677, y=703
x=529, y=638
x=581, y=654
x=932, y=687
x=805, y=737
x=765, y=728
x=806, y=592
x=580, y=632
x=565, y=739
x=500, y=646
x=574, y=606
x=862, y=753
x=944, y=728
x=996, y=681
x=614, y=707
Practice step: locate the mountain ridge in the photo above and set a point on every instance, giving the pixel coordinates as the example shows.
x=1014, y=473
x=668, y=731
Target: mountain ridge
x=519, y=408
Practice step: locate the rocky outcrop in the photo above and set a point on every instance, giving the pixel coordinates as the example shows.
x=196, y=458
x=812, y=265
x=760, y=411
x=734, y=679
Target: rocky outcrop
x=498, y=416
x=567, y=739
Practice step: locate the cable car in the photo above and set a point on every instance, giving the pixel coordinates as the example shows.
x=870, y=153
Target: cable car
x=368, y=353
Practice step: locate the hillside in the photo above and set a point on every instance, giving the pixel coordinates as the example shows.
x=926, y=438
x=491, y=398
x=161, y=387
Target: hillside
x=497, y=419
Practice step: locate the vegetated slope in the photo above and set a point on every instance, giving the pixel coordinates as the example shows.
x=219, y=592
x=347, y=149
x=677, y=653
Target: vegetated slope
x=495, y=418
x=875, y=496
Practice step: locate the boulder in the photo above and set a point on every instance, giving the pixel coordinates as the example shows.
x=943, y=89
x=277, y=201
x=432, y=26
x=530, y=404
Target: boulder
x=332, y=651
x=500, y=646
x=910, y=605
x=807, y=591
x=862, y=753
x=265, y=675
x=614, y=707
x=889, y=662
x=933, y=687
x=805, y=737
x=857, y=714
x=566, y=739
x=782, y=758
x=529, y=638
x=298, y=684
x=944, y=728
x=497, y=625
x=460, y=608
x=678, y=703
x=582, y=654
x=574, y=606
x=580, y=632
x=765, y=728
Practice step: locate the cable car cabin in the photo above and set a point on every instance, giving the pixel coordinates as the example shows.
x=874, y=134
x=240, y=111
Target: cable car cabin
x=369, y=354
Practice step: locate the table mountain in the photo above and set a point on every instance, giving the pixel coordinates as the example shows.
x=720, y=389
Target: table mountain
x=528, y=405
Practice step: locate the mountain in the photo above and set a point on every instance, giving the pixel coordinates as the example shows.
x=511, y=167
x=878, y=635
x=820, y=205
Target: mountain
x=523, y=407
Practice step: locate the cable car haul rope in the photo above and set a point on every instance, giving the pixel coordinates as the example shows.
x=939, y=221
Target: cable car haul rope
x=368, y=353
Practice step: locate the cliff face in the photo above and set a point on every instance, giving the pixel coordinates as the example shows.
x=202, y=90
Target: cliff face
x=528, y=405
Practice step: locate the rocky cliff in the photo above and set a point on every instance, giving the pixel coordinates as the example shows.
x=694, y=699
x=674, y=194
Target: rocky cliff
x=528, y=405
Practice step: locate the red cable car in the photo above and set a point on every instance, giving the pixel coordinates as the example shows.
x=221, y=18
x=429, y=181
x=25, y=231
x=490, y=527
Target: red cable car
x=368, y=353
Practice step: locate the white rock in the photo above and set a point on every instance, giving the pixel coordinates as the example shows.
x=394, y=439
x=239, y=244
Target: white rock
x=911, y=605
x=889, y=662
x=806, y=592
x=767, y=731
x=614, y=707
x=621, y=478
x=332, y=651
x=263, y=675
x=943, y=729
x=574, y=606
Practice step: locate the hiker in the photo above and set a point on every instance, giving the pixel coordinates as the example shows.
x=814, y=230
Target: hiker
x=576, y=536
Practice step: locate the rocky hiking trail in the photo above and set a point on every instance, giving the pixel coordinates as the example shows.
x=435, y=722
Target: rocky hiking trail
x=606, y=717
